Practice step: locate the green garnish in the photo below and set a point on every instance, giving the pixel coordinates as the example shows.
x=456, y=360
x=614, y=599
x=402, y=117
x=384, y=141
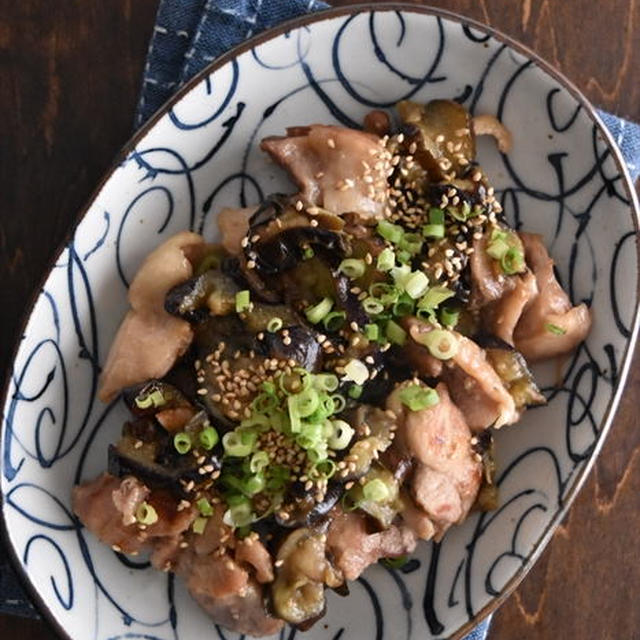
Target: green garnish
x=417, y=397
x=352, y=268
x=243, y=301
x=146, y=514
x=182, y=442
x=555, y=329
x=316, y=313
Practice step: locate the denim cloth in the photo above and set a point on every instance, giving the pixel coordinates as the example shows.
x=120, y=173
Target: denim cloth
x=187, y=36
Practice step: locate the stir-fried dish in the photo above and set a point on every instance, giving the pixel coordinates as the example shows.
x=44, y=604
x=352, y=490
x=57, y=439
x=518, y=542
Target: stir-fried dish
x=319, y=391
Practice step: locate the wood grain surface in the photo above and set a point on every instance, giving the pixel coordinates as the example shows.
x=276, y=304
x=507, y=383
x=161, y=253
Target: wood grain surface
x=69, y=79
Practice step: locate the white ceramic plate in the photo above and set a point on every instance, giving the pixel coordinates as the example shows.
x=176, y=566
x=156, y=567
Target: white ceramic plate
x=564, y=179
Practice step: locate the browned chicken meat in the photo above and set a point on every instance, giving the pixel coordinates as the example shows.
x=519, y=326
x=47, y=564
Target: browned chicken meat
x=339, y=169
x=447, y=473
x=150, y=340
x=550, y=325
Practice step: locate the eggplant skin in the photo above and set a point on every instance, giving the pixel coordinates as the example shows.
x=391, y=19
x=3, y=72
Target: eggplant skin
x=212, y=292
x=145, y=450
x=303, y=347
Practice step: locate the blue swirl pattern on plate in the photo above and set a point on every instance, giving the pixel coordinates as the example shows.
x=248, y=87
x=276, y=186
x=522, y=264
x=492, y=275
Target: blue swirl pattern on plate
x=561, y=180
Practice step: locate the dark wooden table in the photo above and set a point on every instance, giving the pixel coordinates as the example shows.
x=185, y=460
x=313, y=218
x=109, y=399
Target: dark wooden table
x=69, y=79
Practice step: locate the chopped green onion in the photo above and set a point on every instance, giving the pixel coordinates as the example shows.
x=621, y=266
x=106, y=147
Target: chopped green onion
x=339, y=402
x=355, y=391
x=341, y=436
x=376, y=490
x=294, y=415
x=316, y=313
x=238, y=445
x=208, y=438
x=385, y=293
x=395, y=563
x=153, y=399
x=308, y=253
x=204, y=507
x=372, y=306
x=389, y=231
x=404, y=257
x=395, y=333
x=371, y=331
x=462, y=214
x=254, y=484
x=441, y=344
x=386, y=259
x=404, y=306
x=433, y=231
x=306, y=402
x=512, y=261
x=356, y=371
x=268, y=387
x=400, y=275
x=199, y=525
x=412, y=243
x=554, y=328
x=325, y=468
x=317, y=454
x=417, y=397
x=243, y=301
x=259, y=460
x=436, y=216
x=238, y=515
x=417, y=284
x=434, y=296
x=275, y=324
x=497, y=248
x=264, y=402
x=182, y=442
x=334, y=320
x=146, y=514
x=449, y=317
x=326, y=382
x=352, y=267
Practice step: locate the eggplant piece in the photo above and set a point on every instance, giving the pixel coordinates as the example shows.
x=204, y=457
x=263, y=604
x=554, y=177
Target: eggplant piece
x=512, y=369
x=150, y=397
x=212, y=292
x=380, y=427
x=382, y=511
x=307, y=512
x=488, y=496
x=444, y=137
x=302, y=571
x=261, y=314
x=303, y=347
x=145, y=450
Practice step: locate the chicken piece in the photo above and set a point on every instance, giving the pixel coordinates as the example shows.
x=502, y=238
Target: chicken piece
x=106, y=506
x=473, y=383
x=500, y=318
x=243, y=612
x=150, y=340
x=416, y=519
x=254, y=553
x=225, y=590
x=550, y=325
x=339, y=169
x=447, y=475
x=354, y=548
x=233, y=225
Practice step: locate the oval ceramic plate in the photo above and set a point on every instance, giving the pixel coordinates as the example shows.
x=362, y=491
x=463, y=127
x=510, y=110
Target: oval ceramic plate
x=564, y=179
